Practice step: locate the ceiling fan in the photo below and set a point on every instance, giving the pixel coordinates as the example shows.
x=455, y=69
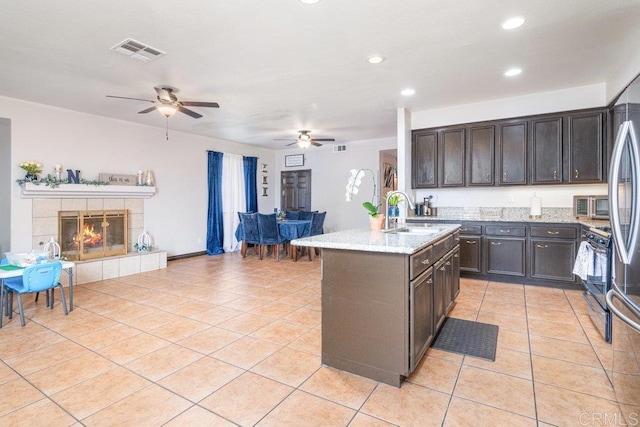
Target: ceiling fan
x=304, y=140
x=167, y=103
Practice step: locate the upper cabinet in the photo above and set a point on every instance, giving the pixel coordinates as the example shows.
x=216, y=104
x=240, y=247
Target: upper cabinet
x=424, y=159
x=512, y=153
x=585, y=147
x=452, y=158
x=546, y=150
x=560, y=148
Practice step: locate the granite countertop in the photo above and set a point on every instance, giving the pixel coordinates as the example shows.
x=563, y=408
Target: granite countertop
x=378, y=241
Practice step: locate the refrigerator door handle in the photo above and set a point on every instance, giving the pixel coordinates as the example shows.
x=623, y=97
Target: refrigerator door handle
x=613, y=292
x=623, y=246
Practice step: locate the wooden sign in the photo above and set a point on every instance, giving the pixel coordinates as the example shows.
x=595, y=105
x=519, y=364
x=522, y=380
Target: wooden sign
x=118, y=179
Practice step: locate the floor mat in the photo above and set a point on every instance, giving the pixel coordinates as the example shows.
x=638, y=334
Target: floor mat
x=469, y=338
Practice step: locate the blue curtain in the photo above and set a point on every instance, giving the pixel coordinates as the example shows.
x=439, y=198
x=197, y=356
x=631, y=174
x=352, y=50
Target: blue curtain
x=250, y=187
x=215, y=232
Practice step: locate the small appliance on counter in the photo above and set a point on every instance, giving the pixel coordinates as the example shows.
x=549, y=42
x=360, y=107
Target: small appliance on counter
x=426, y=208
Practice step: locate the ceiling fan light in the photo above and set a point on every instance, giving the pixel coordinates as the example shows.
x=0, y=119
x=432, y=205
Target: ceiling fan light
x=304, y=140
x=167, y=110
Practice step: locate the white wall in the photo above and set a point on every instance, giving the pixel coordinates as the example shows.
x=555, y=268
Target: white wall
x=5, y=190
x=176, y=216
x=329, y=175
x=513, y=196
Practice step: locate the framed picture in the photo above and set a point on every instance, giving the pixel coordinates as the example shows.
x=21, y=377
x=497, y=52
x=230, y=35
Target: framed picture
x=264, y=167
x=294, y=160
x=264, y=179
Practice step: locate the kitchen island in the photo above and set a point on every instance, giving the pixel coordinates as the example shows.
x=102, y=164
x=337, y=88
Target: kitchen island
x=384, y=296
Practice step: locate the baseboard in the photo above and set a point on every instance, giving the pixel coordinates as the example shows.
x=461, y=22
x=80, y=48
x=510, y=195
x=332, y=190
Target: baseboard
x=190, y=255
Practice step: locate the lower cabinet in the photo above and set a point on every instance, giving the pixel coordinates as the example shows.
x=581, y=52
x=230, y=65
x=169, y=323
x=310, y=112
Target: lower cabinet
x=439, y=285
x=505, y=256
x=553, y=259
x=455, y=274
x=421, y=319
x=470, y=250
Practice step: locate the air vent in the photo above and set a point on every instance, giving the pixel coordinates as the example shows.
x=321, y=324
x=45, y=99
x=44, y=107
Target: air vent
x=137, y=50
x=338, y=148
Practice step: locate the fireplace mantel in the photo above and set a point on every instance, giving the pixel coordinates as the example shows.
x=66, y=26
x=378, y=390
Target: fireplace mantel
x=84, y=191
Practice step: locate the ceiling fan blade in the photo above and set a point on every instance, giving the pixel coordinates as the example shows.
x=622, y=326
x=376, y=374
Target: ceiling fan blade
x=200, y=104
x=148, y=110
x=283, y=139
x=164, y=94
x=293, y=143
x=124, y=97
x=313, y=142
x=189, y=113
x=323, y=139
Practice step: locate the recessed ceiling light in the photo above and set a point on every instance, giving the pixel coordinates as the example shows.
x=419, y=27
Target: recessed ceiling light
x=310, y=1
x=512, y=23
x=408, y=92
x=512, y=72
x=376, y=59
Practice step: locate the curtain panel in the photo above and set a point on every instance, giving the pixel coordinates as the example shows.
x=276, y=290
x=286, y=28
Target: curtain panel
x=251, y=188
x=215, y=231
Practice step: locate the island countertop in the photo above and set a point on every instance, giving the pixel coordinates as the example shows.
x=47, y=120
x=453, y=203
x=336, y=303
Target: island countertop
x=363, y=239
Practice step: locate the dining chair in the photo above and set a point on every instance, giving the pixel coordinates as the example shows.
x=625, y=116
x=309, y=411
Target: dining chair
x=305, y=215
x=317, y=227
x=292, y=214
x=251, y=232
x=269, y=234
x=37, y=278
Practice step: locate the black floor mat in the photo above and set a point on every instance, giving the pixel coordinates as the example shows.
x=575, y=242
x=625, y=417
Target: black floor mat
x=469, y=338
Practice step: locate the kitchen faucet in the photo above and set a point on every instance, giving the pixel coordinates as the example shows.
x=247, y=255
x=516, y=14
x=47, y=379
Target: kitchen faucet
x=389, y=194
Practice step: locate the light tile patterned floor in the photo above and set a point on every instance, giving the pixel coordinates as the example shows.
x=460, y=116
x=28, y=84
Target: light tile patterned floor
x=229, y=341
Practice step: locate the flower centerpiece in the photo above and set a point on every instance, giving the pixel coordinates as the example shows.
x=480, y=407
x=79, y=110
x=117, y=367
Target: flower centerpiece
x=393, y=210
x=33, y=168
x=355, y=179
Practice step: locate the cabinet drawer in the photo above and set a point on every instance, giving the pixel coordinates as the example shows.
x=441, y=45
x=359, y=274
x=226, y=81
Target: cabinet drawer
x=471, y=230
x=420, y=262
x=442, y=247
x=506, y=230
x=559, y=232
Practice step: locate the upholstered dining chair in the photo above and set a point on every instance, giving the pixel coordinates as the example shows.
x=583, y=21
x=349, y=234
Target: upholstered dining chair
x=317, y=227
x=305, y=215
x=292, y=214
x=37, y=278
x=251, y=232
x=269, y=234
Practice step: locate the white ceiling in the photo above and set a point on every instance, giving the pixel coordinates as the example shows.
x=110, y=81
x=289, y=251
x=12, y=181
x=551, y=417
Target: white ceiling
x=276, y=66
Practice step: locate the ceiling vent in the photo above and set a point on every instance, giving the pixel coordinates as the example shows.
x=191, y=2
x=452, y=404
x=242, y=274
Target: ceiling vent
x=338, y=148
x=137, y=50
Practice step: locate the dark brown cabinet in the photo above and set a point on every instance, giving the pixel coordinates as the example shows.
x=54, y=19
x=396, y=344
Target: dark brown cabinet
x=439, y=286
x=512, y=153
x=424, y=159
x=505, y=256
x=553, y=252
x=546, y=150
x=455, y=274
x=584, y=146
x=470, y=248
x=452, y=158
x=421, y=317
x=480, y=155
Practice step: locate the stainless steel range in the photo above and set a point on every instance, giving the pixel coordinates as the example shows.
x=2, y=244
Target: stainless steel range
x=596, y=276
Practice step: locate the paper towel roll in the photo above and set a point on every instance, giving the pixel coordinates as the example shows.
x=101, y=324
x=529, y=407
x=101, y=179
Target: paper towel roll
x=536, y=209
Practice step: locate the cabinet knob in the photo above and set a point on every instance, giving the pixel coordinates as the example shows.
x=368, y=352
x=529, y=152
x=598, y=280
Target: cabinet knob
x=429, y=282
x=442, y=268
x=496, y=243
x=448, y=263
x=456, y=256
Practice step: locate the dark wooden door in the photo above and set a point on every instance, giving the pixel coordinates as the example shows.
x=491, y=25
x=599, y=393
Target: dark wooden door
x=455, y=287
x=546, y=150
x=296, y=190
x=505, y=256
x=481, y=143
x=424, y=159
x=553, y=259
x=421, y=312
x=439, y=286
x=512, y=153
x=585, y=143
x=452, y=158
x=470, y=251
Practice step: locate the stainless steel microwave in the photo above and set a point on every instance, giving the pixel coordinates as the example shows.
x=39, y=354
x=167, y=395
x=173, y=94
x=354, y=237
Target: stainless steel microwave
x=593, y=207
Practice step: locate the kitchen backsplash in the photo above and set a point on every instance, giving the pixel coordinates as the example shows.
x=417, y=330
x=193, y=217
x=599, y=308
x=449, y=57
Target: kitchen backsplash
x=503, y=214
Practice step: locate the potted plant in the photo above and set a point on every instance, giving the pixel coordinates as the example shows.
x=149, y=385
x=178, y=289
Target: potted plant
x=392, y=210
x=376, y=219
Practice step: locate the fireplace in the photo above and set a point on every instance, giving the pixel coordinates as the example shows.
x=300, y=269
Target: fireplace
x=87, y=235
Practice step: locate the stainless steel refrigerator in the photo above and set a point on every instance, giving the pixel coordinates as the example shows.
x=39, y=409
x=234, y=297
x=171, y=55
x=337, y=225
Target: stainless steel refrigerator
x=623, y=299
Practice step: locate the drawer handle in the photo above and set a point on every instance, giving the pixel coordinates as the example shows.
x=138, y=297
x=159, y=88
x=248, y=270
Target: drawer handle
x=425, y=262
x=464, y=229
x=505, y=231
x=553, y=233
x=470, y=242
x=429, y=282
x=456, y=256
x=555, y=174
x=576, y=173
x=446, y=179
x=448, y=263
x=442, y=268
x=431, y=178
x=542, y=246
x=496, y=243
x=488, y=179
x=457, y=239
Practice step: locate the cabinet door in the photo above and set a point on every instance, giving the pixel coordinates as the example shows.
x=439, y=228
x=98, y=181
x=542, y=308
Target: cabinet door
x=439, y=284
x=584, y=140
x=505, y=256
x=481, y=143
x=448, y=283
x=546, y=150
x=470, y=250
x=455, y=287
x=421, y=316
x=424, y=158
x=512, y=153
x=553, y=259
x=452, y=158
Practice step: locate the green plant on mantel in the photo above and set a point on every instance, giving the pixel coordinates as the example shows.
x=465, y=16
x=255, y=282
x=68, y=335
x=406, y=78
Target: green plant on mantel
x=51, y=181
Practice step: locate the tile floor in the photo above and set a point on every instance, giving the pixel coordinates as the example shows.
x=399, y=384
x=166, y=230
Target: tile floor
x=231, y=341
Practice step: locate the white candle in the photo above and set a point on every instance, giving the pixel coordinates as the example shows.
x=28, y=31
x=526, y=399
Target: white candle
x=58, y=168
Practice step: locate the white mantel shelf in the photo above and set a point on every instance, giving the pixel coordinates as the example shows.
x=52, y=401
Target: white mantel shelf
x=84, y=191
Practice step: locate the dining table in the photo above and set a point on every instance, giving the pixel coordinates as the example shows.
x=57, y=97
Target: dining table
x=7, y=271
x=289, y=229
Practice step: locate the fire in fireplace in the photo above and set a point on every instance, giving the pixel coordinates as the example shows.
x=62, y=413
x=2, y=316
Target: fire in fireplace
x=92, y=234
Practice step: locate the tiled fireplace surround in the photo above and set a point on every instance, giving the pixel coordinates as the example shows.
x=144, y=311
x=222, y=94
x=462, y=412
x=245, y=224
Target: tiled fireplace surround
x=45, y=226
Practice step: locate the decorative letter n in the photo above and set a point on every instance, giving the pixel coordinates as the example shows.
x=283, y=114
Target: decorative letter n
x=73, y=178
